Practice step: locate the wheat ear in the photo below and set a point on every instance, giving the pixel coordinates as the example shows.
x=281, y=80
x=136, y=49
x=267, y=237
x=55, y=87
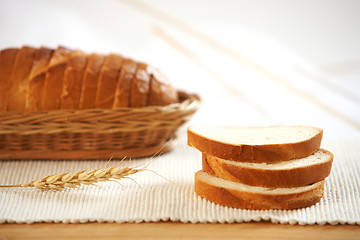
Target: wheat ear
x=68, y=180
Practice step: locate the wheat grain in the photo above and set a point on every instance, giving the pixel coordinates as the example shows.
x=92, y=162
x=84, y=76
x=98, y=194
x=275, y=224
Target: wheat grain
x=74, y=180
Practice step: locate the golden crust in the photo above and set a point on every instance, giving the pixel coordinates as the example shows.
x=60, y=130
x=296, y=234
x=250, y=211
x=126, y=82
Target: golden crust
x=54, y=79
x=293, y=177
x=161, y=91
x=19, y=79
x=123, y=88
x=7, y=62
x=140, y=87
x=37, y=76
x=73, y=80
x=44, y=79
x=90, y=81
x=255, y=153
x=108, y=78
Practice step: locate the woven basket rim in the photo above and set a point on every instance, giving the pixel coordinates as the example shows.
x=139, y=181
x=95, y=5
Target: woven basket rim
x=185, y=100
x=101, y=121
x=69, y=134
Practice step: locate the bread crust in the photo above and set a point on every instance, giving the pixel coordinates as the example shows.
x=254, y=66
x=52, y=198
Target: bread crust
x=258, y=201
x=162, y=93
x=140, y=87
x=54, y=79
x=255, y=153
x=19, y=79
x=124, y=84
x=262, y=177
x=7, y=62
x=73, y=80
x=43, y=79
x=90, y=81
x=35, y=88
x=108, y=78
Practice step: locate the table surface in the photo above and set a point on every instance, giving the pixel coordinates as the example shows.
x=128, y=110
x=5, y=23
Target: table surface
x=198, y=36
x=172, y=230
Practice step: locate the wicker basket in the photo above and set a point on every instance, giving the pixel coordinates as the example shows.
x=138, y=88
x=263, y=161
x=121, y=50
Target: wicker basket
x=94, y=133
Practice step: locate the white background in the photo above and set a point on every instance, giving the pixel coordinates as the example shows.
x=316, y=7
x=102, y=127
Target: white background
x=252, y=62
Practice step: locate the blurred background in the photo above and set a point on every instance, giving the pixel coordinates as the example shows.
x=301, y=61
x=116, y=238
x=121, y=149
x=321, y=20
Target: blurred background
x=253, y=63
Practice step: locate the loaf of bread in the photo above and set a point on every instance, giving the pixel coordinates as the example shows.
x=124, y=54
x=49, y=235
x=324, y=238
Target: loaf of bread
x=43, y=79
x=261, y=168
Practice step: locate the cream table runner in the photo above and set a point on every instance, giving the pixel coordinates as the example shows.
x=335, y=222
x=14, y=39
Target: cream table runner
x=169, y=197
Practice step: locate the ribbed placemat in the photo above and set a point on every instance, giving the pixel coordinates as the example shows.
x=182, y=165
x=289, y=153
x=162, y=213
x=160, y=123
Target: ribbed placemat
x=169, y=197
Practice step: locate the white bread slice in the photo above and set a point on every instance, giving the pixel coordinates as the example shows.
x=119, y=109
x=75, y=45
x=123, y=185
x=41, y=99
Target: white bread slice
x=19, y=79
x=292, y=173
x=7, y=62
x=90, y=82
x=73, y=80
x=108, y=78
x=238, y=195
x=256, y=144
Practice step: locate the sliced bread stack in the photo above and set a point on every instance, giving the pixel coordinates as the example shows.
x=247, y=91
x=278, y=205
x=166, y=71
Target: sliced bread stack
x=261, y=167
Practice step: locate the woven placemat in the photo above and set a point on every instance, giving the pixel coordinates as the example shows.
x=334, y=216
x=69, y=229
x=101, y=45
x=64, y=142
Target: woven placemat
x=169, y=197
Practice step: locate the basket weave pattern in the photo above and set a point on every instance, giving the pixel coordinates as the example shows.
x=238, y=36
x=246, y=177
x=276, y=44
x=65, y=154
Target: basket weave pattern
x=95, y=129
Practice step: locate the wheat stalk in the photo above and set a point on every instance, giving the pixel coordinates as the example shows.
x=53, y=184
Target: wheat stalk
x=68, y=180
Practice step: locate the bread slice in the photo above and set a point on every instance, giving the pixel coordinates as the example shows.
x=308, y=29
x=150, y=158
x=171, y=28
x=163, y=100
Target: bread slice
x=108, y=78
x=54, y=79
x=162, y=93
x=19, y=79
x=90, y=81
x=292, y=173
x=238, y=195
x=73, y=80
x=123, y=88
x=7, y=62
x=256, y=144
x=140, y=87
x=35, y=89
